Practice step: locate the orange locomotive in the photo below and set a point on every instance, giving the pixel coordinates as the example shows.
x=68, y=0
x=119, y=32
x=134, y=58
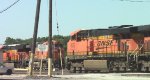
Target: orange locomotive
x=19, y=54
x=119, y=48
x=58, y=54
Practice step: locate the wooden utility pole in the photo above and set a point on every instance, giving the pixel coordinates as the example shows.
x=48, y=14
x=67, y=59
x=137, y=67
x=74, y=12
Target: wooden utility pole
x=34, y=37
x=50, y=40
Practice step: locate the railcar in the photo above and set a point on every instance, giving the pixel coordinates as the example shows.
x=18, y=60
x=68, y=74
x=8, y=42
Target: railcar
x=116, y=49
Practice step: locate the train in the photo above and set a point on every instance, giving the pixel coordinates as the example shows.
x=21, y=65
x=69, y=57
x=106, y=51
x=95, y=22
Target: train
x=124, y=48
x=19, y=54
x=57, y=55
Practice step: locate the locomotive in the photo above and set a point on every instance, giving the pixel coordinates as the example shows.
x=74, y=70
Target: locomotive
x=57, y=55
x=116, y=49
x=19, y=54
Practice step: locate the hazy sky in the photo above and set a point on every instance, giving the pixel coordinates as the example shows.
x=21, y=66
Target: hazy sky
x=18, y=21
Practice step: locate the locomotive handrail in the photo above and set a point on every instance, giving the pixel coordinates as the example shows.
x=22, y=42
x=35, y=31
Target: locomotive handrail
x=136, y=55
x=140, y=48
x=137, y=48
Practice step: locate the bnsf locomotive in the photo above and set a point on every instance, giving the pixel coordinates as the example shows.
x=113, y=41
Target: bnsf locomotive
x=118, y=49
x=19, y=54
x=57, y=55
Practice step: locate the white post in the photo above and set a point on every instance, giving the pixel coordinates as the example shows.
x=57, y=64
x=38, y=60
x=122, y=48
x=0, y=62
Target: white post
x=50, y=67
x=61, y=62
x=41, y=64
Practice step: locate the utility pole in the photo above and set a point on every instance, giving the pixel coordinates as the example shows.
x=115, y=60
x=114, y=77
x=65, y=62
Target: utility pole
x=50, y=41
x=34, y=37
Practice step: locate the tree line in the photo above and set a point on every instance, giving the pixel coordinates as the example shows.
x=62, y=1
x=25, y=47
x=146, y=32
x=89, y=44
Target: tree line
x=62, y=39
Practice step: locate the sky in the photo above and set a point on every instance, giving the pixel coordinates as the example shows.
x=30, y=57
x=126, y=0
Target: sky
x=72, y=15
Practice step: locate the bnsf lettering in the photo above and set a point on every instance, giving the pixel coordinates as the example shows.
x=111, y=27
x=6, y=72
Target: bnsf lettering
x=105, y=43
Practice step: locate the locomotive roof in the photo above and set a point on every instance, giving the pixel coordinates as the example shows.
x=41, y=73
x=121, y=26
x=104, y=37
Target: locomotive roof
x=131, y=29
x=16, y=47
x=93, y=32
x=143, y=28
x=123, y=29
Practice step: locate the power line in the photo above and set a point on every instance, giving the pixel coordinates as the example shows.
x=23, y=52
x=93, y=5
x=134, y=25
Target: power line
x=56, y=17
x=9, y=6
x=136, y=0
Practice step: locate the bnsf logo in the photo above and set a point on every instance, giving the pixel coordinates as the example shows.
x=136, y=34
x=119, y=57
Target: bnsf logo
x=105, y=43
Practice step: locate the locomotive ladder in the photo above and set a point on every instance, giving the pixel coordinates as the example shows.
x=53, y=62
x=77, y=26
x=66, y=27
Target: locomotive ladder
x=135, y=53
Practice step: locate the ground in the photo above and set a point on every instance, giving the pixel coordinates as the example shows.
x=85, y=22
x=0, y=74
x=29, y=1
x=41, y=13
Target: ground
x=77, y=76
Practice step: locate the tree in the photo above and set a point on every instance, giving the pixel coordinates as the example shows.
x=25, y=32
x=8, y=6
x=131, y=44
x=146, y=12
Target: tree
x=9, y=40
x=62, y=39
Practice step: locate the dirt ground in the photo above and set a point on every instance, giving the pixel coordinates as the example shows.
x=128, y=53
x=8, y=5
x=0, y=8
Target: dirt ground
x=22, y=75
x=88, y=76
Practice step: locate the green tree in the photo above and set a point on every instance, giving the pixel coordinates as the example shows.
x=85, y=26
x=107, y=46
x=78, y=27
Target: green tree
x=10, y=40
x=62, y=39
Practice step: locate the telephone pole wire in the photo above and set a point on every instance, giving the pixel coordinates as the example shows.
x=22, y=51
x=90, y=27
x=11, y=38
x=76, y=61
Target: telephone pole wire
x=9, y=7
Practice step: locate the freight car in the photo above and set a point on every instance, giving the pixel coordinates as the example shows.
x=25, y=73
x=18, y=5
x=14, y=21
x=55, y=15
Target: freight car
x=116, y=49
